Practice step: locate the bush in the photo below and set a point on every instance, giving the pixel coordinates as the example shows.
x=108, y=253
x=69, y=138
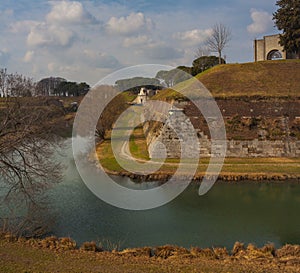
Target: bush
x=288, y=250
x=220, y=252
x=53, y=242
x=90, y=246
x=168, y=251
x=203, y=252
x=237, y=248
x=67, y=243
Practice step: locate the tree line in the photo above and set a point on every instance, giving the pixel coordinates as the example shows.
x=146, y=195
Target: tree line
x=181, y=73
x=17, y=85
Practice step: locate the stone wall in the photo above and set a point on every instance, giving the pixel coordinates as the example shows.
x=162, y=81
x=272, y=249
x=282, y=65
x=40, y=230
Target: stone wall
x=263, y=148
x=235, y=148
x=177, y=136
x=264, y=46
x=167, y=143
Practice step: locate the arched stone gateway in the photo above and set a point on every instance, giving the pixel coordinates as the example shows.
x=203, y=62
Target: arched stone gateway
x=269, y=48
x=274, y=55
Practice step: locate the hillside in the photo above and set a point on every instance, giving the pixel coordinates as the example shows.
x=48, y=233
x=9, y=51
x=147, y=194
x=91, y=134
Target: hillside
x=262, y=79
x=270, y=78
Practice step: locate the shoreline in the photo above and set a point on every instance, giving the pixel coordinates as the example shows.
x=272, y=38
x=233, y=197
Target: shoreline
x=234, y=169
x=224, y=177
x=54, y=254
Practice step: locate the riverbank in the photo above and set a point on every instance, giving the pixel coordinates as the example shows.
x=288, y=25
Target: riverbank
x=234, y=169
x=228, y=177
x=62, y=255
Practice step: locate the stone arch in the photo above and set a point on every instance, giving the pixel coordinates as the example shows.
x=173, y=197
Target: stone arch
x=274, y=54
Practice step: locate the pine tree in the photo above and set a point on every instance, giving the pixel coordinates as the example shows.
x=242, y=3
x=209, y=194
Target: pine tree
x=287, y=19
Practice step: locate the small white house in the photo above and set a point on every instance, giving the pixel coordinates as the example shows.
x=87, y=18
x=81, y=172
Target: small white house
x=142, y=96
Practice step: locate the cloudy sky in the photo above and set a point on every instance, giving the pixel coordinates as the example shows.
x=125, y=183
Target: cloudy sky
x=86, y=40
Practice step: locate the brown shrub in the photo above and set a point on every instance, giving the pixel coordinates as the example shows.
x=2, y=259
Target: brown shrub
x=205, y=253
x=252, y=252
x=269, y=248
x=49, y=242
x=168, y=251
x=90, y=246
x=9, y=237
x=288, y=250
x=33, y=242
x=237, y=248
x=67, y=243
x=137, y=252
x=220, y=252
x=53, y=242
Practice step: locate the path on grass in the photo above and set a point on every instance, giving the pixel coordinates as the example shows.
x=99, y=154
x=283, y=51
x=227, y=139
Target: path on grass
x=125, y=154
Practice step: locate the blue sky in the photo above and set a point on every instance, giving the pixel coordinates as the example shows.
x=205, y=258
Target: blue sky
x=86, y=40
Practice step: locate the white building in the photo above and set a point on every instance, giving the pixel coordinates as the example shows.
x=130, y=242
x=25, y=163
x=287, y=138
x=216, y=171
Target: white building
x=144, y=95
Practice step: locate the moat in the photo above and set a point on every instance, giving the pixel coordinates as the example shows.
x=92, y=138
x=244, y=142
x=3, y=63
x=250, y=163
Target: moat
x=247, y=211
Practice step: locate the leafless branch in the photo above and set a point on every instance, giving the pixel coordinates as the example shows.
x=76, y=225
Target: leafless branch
x=220, y=37
x=27, y=168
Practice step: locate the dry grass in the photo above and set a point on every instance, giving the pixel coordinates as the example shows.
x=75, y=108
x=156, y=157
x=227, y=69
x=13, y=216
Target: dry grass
x=267, y=79
x=90, y=246
x=33, y=256
x=260, y=79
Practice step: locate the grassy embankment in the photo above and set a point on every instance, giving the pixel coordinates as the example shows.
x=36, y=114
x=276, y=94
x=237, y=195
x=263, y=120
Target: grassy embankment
x=61, y=255
x=269, y=79
x=272, y=80
x=254, y=168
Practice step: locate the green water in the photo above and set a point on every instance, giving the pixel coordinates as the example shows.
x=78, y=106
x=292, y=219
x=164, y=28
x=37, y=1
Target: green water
x=245, y=211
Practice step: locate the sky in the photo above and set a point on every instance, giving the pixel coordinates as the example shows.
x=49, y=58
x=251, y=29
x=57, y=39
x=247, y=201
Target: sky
x=84, y=41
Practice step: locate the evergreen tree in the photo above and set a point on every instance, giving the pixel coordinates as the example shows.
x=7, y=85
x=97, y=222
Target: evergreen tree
x=205, y=62
x=287, y=19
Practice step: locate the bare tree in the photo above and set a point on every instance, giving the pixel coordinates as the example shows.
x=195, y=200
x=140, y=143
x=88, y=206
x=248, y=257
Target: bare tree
x=220, y=37
x=20, y=86
x=27, y=168
x=15, y=85
x=202, y=51
x=3, y=82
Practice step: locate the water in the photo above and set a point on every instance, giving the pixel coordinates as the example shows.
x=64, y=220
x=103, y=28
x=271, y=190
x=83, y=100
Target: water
x=247, y=212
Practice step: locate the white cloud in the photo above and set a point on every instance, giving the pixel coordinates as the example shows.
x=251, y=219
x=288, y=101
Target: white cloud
x=28, y=56
x=262, y=22
x=193, y=37
x=136, y=41
x=133, y=23
x=49, y=35
x=66, y=12
x=59, y=27
x=23, y=26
